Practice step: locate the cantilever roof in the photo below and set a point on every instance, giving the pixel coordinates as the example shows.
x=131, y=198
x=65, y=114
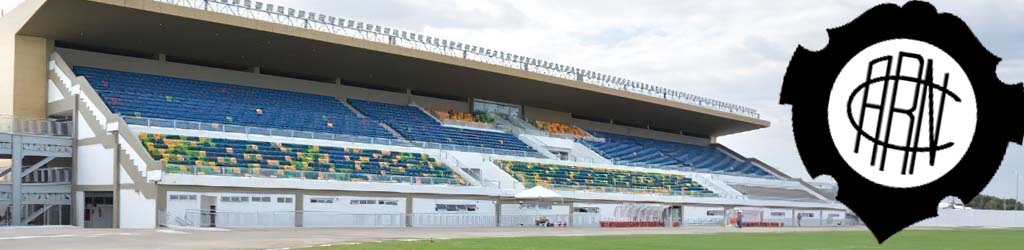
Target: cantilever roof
x=195, y=35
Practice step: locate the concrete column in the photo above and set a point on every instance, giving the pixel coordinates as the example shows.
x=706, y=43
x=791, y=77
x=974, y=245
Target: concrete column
x=408, y=211
x=408, y=96
x=299, y=203
x=725, y=213
x=793, y=215
x=572, y=207
x=23, y=75
x=117, y=181
x=497, y=212
x=16, y=165
x=74, y=162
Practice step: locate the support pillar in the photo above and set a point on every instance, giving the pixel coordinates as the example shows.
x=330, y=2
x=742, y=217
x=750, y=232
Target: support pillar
x=16, y=164
x=299, y=209
x=497, y=212
x=117, y=182
x=725, y=213
x=408, y=211
x=408, y=96
x=572, y=210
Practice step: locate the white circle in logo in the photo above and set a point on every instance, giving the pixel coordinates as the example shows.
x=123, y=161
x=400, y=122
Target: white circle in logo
x=902, y=113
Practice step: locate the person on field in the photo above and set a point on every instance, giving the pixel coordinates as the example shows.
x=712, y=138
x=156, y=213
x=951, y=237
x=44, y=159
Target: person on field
x=739, y=218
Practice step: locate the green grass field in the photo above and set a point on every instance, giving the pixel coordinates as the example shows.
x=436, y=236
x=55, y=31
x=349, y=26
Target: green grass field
x=913, y=239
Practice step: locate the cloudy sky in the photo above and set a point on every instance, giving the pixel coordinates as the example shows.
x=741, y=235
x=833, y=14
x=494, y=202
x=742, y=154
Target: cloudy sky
x=736, y=51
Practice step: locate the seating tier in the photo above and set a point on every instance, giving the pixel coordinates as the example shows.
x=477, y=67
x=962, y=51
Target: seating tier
x=413, y=124
x=636, y=151
x=608, y=180
x=214, y=156
x=152, y=96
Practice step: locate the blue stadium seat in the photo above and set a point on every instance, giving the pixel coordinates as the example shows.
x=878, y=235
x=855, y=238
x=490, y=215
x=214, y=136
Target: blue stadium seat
x=413, y=124
x=225, y=157
x=151, y=96
x=607, y=180
x=636, y=151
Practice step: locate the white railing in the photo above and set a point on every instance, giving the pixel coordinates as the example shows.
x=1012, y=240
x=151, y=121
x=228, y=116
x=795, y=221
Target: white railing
x=232, y=219
x=34, y=126
x=719, y=187
x=554, y=220
x=216, y=127
x=469, y=124
x=376, y=33
x=456, y=166
x=49, y=175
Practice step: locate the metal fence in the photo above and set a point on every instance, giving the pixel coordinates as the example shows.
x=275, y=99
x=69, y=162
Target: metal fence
x=376, y=33
x=228, y=219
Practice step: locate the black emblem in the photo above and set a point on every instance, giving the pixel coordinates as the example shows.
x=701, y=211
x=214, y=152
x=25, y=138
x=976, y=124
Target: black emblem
x=922, y=112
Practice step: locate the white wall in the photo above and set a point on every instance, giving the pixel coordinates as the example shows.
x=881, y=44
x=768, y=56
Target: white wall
x=817, y=218
x=975, y=218
x=95, y=165
x=552, y=142
x=342, y=213
x=232, y=214
x=182, y=212
x=426, y=215
x=607, y=210
x=699, y=215
x=255, y=214
x=136, y=211
x=428, y=206
x=516, y=209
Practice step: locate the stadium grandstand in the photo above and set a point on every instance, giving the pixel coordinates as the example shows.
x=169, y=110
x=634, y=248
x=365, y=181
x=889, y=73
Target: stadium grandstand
x=242, y=114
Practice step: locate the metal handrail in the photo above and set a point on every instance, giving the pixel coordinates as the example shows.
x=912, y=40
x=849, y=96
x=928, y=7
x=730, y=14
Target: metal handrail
x=375, y=33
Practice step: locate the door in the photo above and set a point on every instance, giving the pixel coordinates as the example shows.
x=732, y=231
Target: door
x=99, y=210
x=208, y=211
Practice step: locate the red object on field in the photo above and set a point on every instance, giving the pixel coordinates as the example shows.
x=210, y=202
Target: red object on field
x=763, y=224
x=632, y=224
